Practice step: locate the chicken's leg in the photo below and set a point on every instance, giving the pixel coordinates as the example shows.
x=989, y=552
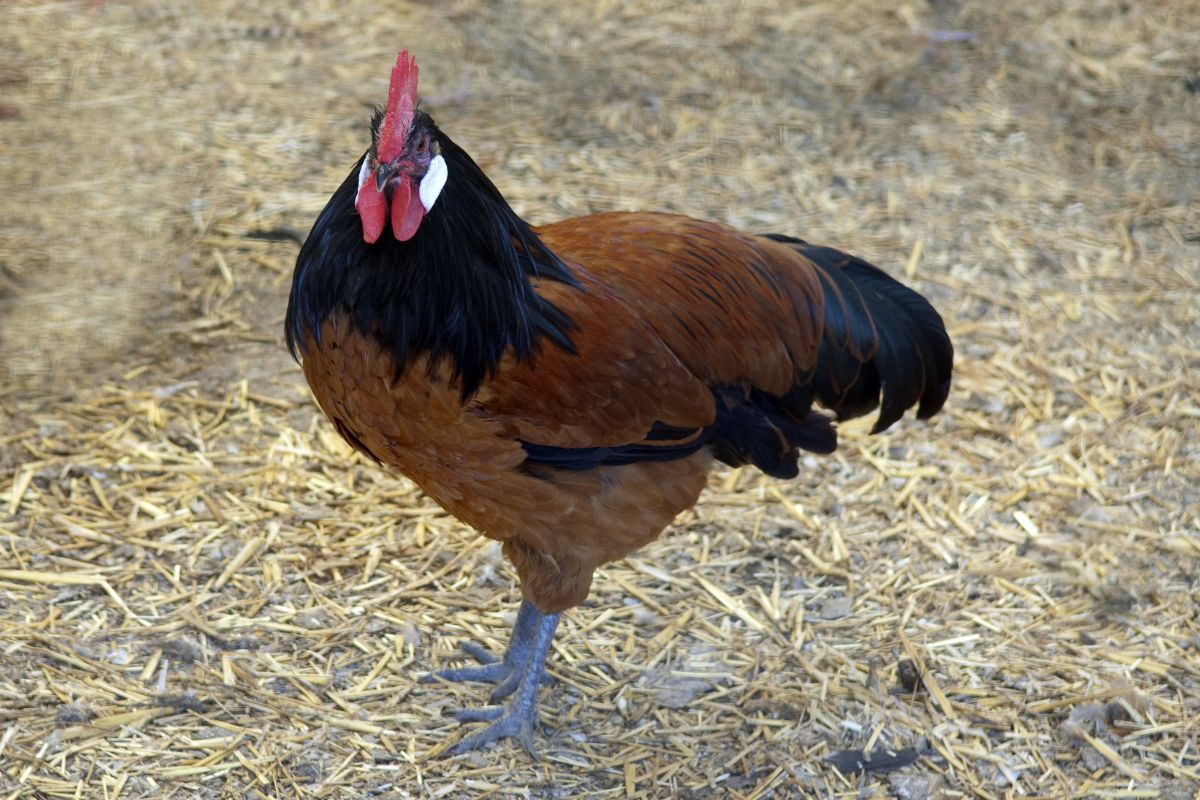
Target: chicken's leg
x=518, y=717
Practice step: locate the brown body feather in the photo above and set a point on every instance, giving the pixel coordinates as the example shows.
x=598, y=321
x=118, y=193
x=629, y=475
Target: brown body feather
x=666, y=307
x=556, y=526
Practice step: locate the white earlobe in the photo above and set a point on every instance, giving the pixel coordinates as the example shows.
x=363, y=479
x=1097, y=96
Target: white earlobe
x=432, y=183
x=364, y=176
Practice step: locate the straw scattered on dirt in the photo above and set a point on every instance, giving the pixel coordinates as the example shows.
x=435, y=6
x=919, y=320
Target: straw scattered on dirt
x=203, y=593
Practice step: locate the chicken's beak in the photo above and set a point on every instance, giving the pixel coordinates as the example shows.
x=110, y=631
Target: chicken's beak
x=383, y=174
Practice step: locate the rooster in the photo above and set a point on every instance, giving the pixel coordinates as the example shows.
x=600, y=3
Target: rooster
x=565, y=389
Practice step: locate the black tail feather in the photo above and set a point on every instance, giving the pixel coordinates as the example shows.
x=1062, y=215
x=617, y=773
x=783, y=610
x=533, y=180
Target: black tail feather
x=881, y=338
x=753, y=427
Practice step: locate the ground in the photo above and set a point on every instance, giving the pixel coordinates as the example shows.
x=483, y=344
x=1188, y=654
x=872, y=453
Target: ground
x=203, y=593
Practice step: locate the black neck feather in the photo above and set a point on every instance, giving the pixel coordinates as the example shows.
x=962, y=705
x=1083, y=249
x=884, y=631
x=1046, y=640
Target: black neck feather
x=458, y=291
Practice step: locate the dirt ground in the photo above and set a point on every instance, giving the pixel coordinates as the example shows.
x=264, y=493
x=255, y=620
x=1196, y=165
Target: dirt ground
x=203, y=593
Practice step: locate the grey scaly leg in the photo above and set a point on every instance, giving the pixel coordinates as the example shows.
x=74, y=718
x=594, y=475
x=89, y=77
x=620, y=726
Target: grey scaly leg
x=518, y=718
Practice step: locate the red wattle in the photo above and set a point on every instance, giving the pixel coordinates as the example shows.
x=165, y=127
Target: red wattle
x=407, y=211
x=372, y=209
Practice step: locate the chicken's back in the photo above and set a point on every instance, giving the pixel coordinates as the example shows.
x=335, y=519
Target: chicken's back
x=733, y=308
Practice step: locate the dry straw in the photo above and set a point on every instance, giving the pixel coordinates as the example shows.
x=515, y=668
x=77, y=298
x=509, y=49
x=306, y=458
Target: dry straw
x=203, y=593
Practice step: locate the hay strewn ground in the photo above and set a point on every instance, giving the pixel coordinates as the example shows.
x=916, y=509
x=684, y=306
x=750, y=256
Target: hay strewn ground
x=204, y=594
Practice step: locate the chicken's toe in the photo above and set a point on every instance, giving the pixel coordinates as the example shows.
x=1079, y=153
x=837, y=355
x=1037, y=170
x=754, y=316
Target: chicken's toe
x=479, y=653
x=484, y=714
x=498, y=673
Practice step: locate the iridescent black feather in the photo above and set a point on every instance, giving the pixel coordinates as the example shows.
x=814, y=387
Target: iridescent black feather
x=883, y=344
x=459, y=290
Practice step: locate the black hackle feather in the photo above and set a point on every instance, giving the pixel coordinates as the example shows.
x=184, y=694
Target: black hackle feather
x=459, y=291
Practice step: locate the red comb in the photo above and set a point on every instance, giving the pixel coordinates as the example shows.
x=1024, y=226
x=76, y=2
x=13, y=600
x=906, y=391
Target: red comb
x=402, y=102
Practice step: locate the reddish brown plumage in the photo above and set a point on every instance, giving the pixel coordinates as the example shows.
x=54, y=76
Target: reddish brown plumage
x=731, y=307
x=557, y=526
x=666, y=308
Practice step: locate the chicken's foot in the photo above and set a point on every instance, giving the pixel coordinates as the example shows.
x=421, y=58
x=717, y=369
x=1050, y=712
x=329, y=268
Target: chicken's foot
x=518, y=718
x=504, y=672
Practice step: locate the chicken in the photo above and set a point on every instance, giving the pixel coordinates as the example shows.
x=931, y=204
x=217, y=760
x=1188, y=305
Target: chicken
x=566, y=389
